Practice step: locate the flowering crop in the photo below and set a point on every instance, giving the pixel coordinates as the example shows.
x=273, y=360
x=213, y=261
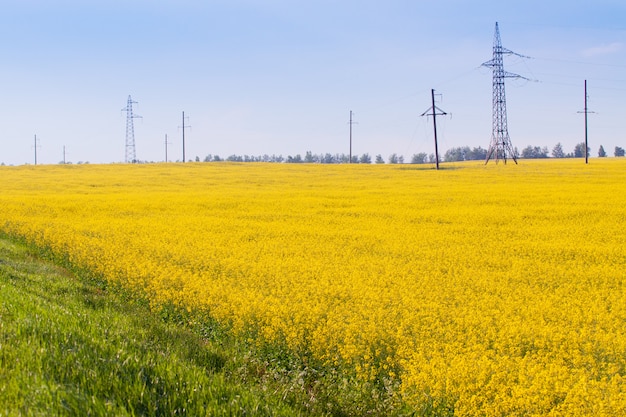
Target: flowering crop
x=492, y=290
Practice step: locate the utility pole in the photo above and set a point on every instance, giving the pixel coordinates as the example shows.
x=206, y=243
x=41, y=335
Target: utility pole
x=500, y=146
x=350, y=123
x=434, y=109
x=36, y=146
x=64, y=162
x=184, y=127
x=586, y=111
x=166, y=143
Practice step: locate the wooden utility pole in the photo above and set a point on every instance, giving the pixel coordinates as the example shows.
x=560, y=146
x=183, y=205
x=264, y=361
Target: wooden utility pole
x=432, y=93
x=350, y=160
x=35, y=149
x=434, y=109
x=183, y=136
x=351, y=122
x=184, y=127
x=586, y=111
x=166, y=143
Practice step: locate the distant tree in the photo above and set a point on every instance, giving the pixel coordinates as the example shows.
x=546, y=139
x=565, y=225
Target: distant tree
x=579, y=150
x=355, y=159
x=379, y=159
x=527, y=152
x=534, y=152
x=619, y=151
x=294, y=159
x=457, y=154
x=234, y=158
x=464, y=153
x=477, y=154
x=310, y=158
x=217, y=158
x=365, y=159
x=557, y=151
x=393, y=158
x=601, y=152
x=419, y=158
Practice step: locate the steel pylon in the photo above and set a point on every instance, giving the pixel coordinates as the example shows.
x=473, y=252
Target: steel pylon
x=500, y=146
x=131, y=153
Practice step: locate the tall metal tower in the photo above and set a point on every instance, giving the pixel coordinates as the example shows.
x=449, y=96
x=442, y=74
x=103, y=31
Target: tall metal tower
x=131, y=153
x=500, y=147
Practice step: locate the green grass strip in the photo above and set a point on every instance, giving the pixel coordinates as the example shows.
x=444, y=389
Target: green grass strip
x=68, y=347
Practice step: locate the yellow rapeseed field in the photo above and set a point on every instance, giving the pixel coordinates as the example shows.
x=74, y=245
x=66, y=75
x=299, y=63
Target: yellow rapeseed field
x=495, y=290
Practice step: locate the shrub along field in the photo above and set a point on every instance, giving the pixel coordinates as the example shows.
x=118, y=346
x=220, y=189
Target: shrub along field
x=474, y=290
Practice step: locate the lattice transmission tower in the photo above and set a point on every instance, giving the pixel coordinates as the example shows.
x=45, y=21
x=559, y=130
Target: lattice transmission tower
x=500, y=147
x=131, y=152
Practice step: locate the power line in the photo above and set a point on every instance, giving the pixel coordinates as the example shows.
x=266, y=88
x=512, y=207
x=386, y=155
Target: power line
x=571, y=61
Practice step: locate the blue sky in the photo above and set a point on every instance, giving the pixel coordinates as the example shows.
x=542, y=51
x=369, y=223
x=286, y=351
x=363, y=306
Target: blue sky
x=280, y=77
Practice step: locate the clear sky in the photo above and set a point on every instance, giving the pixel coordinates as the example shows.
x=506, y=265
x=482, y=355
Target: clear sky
x=280, y=77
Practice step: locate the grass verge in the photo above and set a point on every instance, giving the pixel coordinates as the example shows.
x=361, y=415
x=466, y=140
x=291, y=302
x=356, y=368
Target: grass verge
x=70, y=347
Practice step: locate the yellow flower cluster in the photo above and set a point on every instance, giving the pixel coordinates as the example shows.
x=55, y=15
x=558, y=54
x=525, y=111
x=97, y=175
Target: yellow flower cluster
x=495, y=290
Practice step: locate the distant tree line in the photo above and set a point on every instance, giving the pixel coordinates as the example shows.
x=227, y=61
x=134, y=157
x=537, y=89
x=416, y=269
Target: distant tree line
x=456, y=154
x=579, y=151
x=461, y=153
x=309, y=157
x=323, y=158
x=465, y=153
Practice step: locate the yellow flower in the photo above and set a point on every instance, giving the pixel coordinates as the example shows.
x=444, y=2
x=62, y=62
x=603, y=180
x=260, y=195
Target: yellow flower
x=496, y=289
